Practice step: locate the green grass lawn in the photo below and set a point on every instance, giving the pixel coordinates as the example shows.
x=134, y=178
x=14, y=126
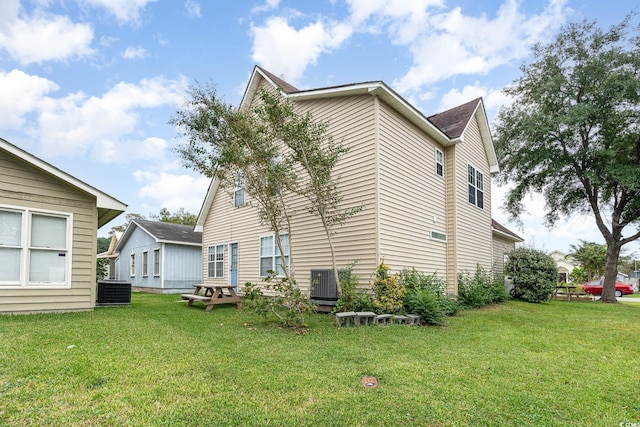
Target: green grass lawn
x=157, y=362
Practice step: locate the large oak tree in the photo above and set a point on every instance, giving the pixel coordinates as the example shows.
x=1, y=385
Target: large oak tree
x=572, y=133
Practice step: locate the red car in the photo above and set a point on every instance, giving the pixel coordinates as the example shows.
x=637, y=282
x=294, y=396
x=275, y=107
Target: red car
x=594, y=287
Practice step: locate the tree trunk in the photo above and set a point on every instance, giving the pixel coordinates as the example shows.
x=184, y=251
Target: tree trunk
x=610, y=273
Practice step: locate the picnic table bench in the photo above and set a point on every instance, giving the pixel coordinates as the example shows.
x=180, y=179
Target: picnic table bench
x=212, y=295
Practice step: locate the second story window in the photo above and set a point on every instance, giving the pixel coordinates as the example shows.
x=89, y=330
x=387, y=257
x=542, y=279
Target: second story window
x=238, y=192
x=476, y=186
x=439, y=162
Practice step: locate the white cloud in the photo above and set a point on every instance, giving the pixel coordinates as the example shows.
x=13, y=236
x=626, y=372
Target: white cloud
x=493, y=98
x=21, y=94
x=134, y=52
x=193, y=8
x=72, y=125
x=172, y=191
x=125, y=11
x=285, y=50
x=43, y=37
x=267, y=6
x=456, y=44
x=404, y=20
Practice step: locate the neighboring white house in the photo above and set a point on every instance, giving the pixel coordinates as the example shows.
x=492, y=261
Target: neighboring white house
x=49, y=221
x=424, y=184
x=565, y=265
x=159, y=257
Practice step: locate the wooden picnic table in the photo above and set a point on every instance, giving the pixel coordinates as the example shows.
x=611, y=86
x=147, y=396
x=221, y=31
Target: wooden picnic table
x=212, y=295
x=569, y=291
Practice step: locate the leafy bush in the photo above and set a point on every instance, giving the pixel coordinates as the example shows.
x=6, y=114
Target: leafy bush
x=578, y=275
x=389, y=291
x=427, y=305
x=414, y=280
x=534, y=273
x=425, y=295
x=480, y=289
x=288, y=304
x=352, y=298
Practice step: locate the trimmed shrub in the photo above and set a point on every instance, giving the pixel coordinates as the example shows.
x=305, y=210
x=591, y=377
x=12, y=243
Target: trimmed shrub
x=480, y=289
x=534, y=274
x=388, y=290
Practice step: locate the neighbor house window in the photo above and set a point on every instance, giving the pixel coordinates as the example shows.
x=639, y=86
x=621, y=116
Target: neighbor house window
x=34, y=248
x=438, y=235
x=476, y=186
x=215, y=261
x=439, y=162
x=132, y=265
x=156, y=262
x=145, y=264
x=270, y=258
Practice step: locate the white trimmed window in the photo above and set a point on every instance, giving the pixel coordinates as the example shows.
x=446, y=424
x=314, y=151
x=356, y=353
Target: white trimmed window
x=215, y=261
x=270, y=258
x=156, y=262
x=145, y=264
x=476, y=186
x=439, y=162
x=132, y=265
x=438, y=235
x=34, y=248
x=238, y=192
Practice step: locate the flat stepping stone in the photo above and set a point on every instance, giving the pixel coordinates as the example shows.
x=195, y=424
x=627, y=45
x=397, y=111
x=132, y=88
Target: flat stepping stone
x=383, y=319
x=413, y=319
x=399, y=319
x=364, y=317
x=345, y=318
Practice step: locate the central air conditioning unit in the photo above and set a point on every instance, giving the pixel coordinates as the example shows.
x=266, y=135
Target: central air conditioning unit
x=324, y=289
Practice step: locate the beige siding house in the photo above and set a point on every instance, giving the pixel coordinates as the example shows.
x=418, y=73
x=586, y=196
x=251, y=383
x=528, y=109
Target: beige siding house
x=48, y=229
x=424, y=184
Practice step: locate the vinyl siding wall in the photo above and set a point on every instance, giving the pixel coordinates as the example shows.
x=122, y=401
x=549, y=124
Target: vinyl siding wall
x=181, y=267
x=179, y=264
x=351, y=123
x=23, y=186
x=473, y=225
x=501, y=247
x=412, y=197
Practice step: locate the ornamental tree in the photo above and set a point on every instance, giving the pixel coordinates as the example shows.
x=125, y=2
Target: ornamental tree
x=572, y=133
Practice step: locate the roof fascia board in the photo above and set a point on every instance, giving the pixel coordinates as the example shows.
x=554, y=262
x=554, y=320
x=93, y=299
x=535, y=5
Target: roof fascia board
x=506, y=235
x=206, y=204
x=174, y=242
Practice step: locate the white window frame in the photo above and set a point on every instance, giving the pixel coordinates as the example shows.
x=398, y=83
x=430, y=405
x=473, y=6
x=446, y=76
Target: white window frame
x=475, y=186
x=215, y=261
x=156, y=262
x=145, y=264
x=439, y=162
x=26, y=249
x=238, y=192
x=132, y=265
x=276, y=259
x=438, y=236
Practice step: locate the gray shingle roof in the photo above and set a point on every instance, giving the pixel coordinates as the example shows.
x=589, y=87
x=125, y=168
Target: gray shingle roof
x=168, y=232
x=453, y=122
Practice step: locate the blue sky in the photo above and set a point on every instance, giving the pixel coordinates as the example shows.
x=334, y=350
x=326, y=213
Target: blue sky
x=89, y=85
